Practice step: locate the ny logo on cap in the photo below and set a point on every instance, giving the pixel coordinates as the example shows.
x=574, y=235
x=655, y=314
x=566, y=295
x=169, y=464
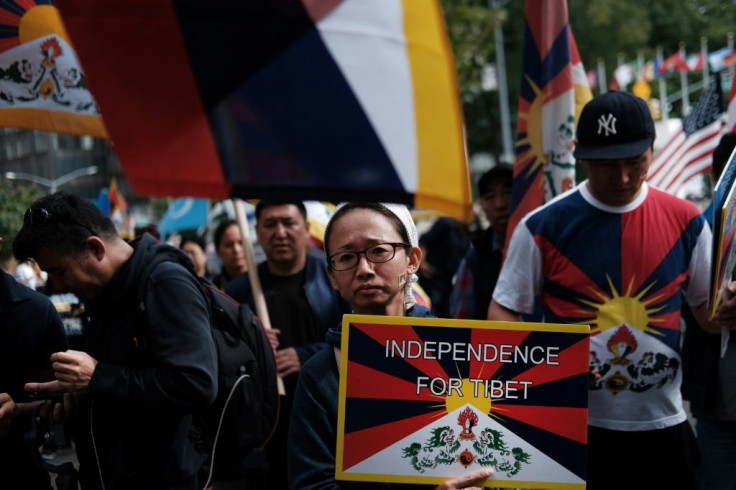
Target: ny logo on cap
x=607, y=124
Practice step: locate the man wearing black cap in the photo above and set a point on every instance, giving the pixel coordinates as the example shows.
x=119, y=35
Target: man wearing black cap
x=615, y=254
x=477, y=274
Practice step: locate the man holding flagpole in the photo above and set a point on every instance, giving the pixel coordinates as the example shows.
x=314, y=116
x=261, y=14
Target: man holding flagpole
x=615, y=254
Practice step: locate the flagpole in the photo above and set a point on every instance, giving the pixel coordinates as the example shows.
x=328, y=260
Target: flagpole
x=255, y=282
x=663, y=103
x=704, y=56
x=503, y=91
x=683, y=84
x=602, y=86
x=729, y=43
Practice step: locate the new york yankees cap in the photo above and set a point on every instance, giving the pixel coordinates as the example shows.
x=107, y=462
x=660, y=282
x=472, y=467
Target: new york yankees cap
x=614, y=126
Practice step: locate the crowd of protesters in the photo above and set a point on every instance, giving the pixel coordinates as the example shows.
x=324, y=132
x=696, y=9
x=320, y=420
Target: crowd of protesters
x=609, y=234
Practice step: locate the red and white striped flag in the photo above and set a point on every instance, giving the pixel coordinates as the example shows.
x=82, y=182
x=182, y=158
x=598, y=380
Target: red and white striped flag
x=689, y=150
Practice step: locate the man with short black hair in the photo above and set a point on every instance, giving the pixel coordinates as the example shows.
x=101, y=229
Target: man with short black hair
x=302, y=305
x=148, y=368
x=615, y=253
x=477, y=274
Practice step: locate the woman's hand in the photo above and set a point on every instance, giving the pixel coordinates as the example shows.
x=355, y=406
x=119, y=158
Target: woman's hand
x=467, y=481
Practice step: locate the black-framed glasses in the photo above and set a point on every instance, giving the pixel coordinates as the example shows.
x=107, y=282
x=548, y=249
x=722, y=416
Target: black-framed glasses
x=41, y=216
x=383, y=252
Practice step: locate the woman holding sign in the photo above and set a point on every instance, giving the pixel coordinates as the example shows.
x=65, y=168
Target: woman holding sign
x=372, y=256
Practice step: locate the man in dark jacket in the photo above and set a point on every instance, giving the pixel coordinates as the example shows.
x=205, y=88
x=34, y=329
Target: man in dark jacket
x=302, y=305
x=30, y=331
x=477, y=274
x=147, y=369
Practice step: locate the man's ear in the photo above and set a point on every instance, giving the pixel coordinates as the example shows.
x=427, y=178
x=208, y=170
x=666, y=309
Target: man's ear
x=96, y=247
x=1, y=243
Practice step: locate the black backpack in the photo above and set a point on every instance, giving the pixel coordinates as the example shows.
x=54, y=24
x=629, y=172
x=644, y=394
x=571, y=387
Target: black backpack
x=236, y=427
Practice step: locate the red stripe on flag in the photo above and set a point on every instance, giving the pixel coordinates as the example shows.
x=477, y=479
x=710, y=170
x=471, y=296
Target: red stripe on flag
x=8, y=43
x=165, y=144
x=365, y=382
x=530, y=201
x=560, y=84
x=546, y=20
x=687, y=157
x=367, y=442
x=9, y=19
x=568, y=367
x=688, y=151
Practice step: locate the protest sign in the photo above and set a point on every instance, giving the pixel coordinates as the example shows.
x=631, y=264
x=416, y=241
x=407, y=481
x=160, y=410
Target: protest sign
x=426, y=399
x=723, y=259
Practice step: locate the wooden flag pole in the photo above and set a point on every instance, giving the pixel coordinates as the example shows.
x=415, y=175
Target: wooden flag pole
x=255, y=281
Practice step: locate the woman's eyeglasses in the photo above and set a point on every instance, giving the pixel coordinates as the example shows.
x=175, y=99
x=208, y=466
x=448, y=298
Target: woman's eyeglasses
x=377, y=254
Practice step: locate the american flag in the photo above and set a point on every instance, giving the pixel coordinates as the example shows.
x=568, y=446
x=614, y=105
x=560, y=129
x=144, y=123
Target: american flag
x=689, y=150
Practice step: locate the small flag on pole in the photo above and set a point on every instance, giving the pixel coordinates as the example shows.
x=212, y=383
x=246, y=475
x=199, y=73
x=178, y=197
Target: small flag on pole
x=675, y=62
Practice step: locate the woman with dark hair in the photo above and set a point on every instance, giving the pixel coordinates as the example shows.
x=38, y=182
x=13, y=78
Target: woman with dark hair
x=196, y=248
x=368, y=246
x=229, y=247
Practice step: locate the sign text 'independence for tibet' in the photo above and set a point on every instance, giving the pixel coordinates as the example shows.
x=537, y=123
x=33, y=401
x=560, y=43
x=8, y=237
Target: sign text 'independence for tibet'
x=426, y=399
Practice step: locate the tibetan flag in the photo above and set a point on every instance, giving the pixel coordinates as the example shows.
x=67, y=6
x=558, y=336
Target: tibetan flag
x=425, y=399
x=42, y=85
x=689, y=150
x=330, y=101
x=554, y=89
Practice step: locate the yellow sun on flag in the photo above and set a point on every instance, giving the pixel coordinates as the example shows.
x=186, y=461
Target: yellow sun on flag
x=534, y=119
x=615, y=309
x=469, y=395
x=40, y=21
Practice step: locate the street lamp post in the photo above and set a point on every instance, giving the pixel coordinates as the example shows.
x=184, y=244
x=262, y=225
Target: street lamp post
x=52, y=184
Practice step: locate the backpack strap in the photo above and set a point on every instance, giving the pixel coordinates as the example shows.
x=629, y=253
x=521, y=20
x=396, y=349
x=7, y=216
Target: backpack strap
x=143, y=280
x=141, y=287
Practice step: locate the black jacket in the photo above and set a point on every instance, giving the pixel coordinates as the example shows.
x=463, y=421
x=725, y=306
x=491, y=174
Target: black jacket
x=327, y=305
x=155, y=370
x=30, y=331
